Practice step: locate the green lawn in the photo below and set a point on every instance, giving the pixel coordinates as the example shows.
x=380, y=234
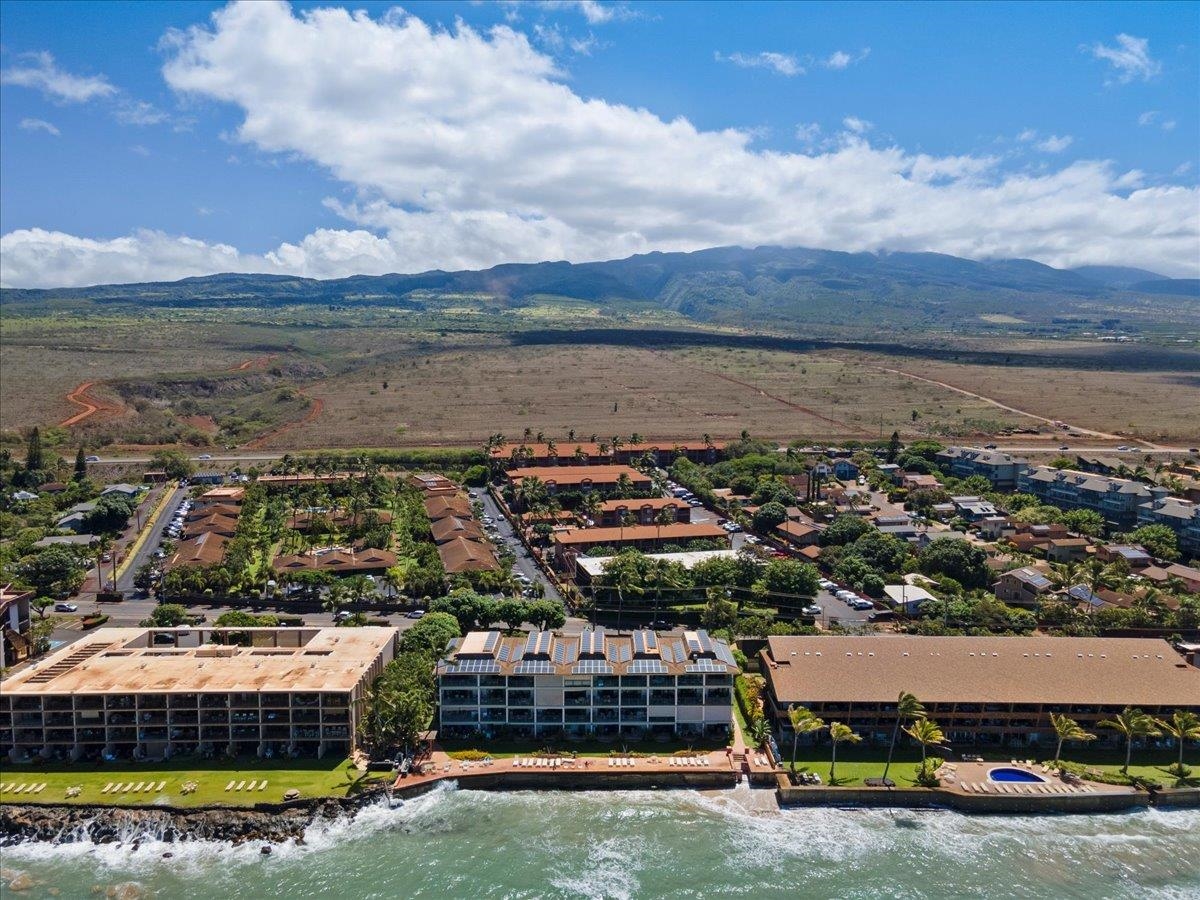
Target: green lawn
x=854, y=764
x=312, y=778
x=1150, y=765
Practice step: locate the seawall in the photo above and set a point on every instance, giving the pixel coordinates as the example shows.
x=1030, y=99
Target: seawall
x=927, y=798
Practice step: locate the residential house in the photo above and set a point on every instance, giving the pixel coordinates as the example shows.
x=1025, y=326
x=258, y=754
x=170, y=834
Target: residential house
x=451, y=527
x=844, y=470
x=999, y=468
x=460, y=555
x=15, y=625
x=605, y=480
x=907, y=598
x=125, y=490
x=1022, y=587
x=891, y=471
x=338, y=560
x=797, y=534
x=209, y=477
x=1134, y=555
x=433, y=485
x=24, y=496
x=973, y=509
x=1190, y=577
x=589, y=568
x=644, y=512
x=441, y=506
x=1068, y=549
x=1100, y=465
x=995, y=528
x=916, y=481
x=226, y=496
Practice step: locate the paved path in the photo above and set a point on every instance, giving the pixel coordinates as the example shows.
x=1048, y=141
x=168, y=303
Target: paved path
x=525, y=564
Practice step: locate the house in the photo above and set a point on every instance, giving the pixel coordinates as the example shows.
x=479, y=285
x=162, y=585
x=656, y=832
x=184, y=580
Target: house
x=907, y=598
x=433, y=485
x=53, y=487
x=916, y=481
x=605, y=480
x=973, y=508
x=994, y=691
x=844, y=470
x=128, y=491
x=208, y=477
x=1116, y=499
x=1022, y=587
x=1181, y=516
x=1067, y=549
x=15, y=625
x=890, y=471
x=1000, y=469
x=215, y=524
x=337, y=560
x=589, y=568
x=924, y=538
x=156, y=476
x=460, y=555
x=594, y=683
x=24, y=496
x=66, y=540
x=73, y=521
x=206, y=549
x=227, y=496
x=305, y=478
x=441, y=505
x=942, y=512
x=1133, y=554
x=451, y=527
x=994, y=528
x=644, y=512
x=1100, y=465
x=1186, y=574
x=797, y=534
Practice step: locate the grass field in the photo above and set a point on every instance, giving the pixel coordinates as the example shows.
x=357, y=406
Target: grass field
x=312, y=778
x=387, y=377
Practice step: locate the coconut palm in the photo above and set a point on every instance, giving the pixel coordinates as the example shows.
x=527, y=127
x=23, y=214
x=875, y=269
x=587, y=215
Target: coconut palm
x=1067, y=729
x=907, y=707
x=1184, y=726
x=803, y=722
x=666, y=516
x=839, y=732
x=1131, y=723
x=926, y=733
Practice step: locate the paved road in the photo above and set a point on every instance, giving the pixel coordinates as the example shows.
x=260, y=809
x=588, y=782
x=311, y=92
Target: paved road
x=146, y=551
x=524, y=564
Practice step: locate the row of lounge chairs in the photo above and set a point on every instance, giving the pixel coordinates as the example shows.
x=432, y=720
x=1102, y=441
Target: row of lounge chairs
x=538, y=762
x=236, y=786
x=140, y=787
x=760, y=760
x=686, y=761
x=1020, y=787
x=22, y=787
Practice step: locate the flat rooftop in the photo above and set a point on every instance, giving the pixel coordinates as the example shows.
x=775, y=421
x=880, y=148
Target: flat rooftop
x=594, y=565
x=127, y=661
x=1034, y=670
x=676, y=531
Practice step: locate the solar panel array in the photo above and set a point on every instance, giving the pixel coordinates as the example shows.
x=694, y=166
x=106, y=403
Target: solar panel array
x=706, y=665
x=534, y=667
x=673, y=652
x=592, y=667
x=591, y=643
x=621, y=653
x=724, y=654
x=538, y=643
x=645, y=643
x=647, y=667
x=489, y=643
x=565, y=651
x=507, y=651
x=474, y=666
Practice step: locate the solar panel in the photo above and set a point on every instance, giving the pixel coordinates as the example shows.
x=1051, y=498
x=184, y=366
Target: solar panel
x=489, y=643
x=706, y=665
x=620, y=652
x=474, y=666
x=723, y=653
x=505, y=652
x=534, y=667
x=673, y=652
x=591, y=643
x=706, y=644
x=565, y=651
x=646, y=667
x=592, y=667
x=538, y=643
x=645, y=643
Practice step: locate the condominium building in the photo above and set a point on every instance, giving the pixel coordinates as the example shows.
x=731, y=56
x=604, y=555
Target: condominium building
x=605, y=480
x=594, y=683
x=152, y=693
x=1001, y=469
x=586, y=453
x=1115, y=499
x=980, y=690
x=1181, y=516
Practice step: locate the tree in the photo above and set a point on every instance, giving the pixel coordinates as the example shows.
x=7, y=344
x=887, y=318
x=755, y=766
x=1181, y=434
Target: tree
x=1159, y=541
x=966, y=563
x=1084, y=521
x=476, y=476
x=845, y=529
x=335, y=599
x=1131, y=723
x=789, y=577
x=1067, y=729
x=512, y=612
x=110, y=513
x=470, y=609
x=235, y=618
x=431, y=634
x=547, y=615
x=173, y=463
x=767, y=516
x=907, y=707
x=893, y=447
x=719, y=612
x=803, y=722
x=166, y=615
x=33, y=451
x=926, y=733
x=839, y=732
x=1184, y=726
x=42, y=604
x=80, y=465
x=55, y=572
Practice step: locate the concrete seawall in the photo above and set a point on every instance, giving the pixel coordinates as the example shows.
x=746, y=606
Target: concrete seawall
x=577, y=781
x=926, y=798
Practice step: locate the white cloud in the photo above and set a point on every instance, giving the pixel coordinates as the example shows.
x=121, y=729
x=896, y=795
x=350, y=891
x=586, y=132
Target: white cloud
x=807, y=133
x=1055, y=144
x=40, y=125
x=139, y=112
x=780, y=63
x=840, y=59
x=593, y=11
x=139, y=150
x=1168, y=125
x=857, y=125
x=1027, y=135
x=1130, y=58
x=463, y=150
x=40, y=72
x=1148, y=117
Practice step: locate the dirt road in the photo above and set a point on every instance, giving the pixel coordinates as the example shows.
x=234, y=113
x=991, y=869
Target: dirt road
x=91, y=405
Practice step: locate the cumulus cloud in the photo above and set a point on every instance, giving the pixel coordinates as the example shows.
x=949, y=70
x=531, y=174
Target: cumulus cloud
x=41, y=72
x=595, y=12
x=857, y=125
x=466, y=149
x=40, y=125
x=840, y=59
x=1129, y=57
x=779, y=63
x=1055, y=144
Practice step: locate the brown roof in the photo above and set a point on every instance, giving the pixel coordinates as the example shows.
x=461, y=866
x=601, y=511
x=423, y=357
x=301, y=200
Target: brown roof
x=796, y=529
x=338, y=560
x=203, y=550
x=652, y=502
x=1052, y=670
x=223, y=495
x=213, y=509
x=341, y=519
x=226, y=525
x=579, y=474
x=452, y=527
x=677, y=531
x=461, y=555
x=307, y=478
x=810, y=552
x=440, y=507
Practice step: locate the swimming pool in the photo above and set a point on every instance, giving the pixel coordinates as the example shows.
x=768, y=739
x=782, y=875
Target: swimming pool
x=1020, y=775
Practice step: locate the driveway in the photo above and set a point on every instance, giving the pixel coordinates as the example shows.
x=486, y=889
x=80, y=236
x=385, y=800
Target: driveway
x=524, y=564
x=146, y=551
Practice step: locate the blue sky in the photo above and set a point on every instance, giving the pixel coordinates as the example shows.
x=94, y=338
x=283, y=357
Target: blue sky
x=142, y=140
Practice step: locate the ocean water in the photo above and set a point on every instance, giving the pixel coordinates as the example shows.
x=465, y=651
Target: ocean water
x=474, y=844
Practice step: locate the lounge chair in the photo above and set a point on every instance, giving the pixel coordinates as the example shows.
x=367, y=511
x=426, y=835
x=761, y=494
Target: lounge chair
x=262, y=786
x=229, y=787
x=141, y=784
x=240, y=785
x=162, y=785
x=252, y=785
x=41, y=787
x=108, y=787
x=3, y=787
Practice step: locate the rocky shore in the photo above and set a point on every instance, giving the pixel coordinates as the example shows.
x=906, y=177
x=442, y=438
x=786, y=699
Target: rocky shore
x=266, y=823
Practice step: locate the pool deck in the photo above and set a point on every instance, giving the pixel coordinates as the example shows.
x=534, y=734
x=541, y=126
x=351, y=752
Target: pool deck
x=971, y=778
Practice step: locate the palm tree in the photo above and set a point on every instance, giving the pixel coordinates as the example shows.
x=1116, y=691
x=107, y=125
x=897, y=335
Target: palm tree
x=1184, y=726
x=1131, y=723
x=926, y=733
x=907, y=707
x=335, y=599
x=838, y=732
x=591, y=504
x=803, y=722
x=666, y=516
x=626, y=521
x=1068, y=730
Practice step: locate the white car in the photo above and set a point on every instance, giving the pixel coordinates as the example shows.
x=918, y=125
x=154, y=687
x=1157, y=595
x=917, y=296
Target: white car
x=65, y=607
x=813, y=610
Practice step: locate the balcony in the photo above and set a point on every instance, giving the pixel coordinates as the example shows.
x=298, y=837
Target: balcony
x=518, y=716
x=689, y=697
x=152, y=701
x=244, y=717
x=306, y=733
x=305, y=701
x=577, y=715
x=520, y=698
x=662, y=698
x=214, y=701
x=460, y=698
x=577, y=698
x=604, y=714
x=493, y=714
x=183, y=701
x=606, y=698
x=717, y=697
x=244, y=732
x=633, y=698
x=493, y=697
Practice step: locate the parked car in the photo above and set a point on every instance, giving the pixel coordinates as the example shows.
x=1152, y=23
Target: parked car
x=91, y=459
x=204, y=456
x=342, y=615
x=65, y=607
x=415, y=614
x=881, y=615
x=813, y=610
